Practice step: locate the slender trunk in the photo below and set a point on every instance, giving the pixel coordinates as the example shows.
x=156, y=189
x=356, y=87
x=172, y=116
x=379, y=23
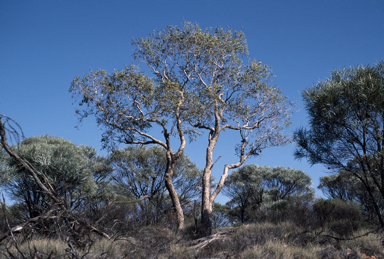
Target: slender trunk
x=171, y=162
x=172, y=191
x=206, y=204
x=194, y=216
x=208, y=199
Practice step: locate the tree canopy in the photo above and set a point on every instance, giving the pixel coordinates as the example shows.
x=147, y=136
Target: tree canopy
x=140, y=173
x=252, y=187
x=346, y=132
x=69, y=168
x=199, y=83
x=348, y=188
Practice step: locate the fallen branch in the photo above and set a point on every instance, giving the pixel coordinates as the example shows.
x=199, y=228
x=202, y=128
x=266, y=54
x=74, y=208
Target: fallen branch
x=20, y=227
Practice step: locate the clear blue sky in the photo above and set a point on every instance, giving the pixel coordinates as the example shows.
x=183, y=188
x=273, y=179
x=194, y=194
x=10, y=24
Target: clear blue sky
x=45, y=44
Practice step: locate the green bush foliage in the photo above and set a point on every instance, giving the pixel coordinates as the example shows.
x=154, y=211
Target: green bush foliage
x=259, y=193
x=340, y=217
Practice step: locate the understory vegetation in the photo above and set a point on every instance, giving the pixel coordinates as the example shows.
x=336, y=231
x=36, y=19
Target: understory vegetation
x=118, y=207
x=296, y=227
x=284, y=239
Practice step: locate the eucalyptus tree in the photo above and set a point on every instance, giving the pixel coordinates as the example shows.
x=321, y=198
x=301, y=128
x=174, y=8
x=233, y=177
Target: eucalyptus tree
x=128, y=104
x=252, y=187
x=346, y=128
x=199, y=83
x=283, y=183
x=245, y=191
x=140, y=173
x=224, y=94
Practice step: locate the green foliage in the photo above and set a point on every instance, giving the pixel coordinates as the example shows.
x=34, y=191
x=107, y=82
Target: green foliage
x=220, y=215
x=340, y=217
x=199, y=83
x=196, y=72
x=282, y=183
x=346, y=132
x=209, y=63
x=339, y=186
x=68, y=167
x=139, y=171
x=109, y=98
x=349, y=188
x=255, y=190
x=344, y=110
x=5, y=171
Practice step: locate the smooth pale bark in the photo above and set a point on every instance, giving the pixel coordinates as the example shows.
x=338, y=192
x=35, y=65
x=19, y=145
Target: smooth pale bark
x=171, y=162
x=206, y=204
x=207, y=197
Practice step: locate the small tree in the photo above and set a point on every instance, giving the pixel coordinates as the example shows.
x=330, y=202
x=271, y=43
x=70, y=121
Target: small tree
x=347, y=128
x=338, y=186
x=140, y=172
x=340, y=217
x=346, y=187
x=252, y=188
x=245, y=190
x=282, y=183
x=66, y=166
x=61, y=212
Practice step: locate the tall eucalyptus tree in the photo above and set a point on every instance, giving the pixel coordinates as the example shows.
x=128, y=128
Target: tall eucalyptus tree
x=236, y=97
x=199, y=83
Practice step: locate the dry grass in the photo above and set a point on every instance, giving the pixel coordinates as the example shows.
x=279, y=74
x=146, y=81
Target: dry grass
x=280, y=250
x=264, y=240
x=286, y=240
x=50, y=248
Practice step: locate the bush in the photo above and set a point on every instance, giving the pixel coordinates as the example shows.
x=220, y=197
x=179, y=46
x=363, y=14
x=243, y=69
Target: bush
x=340, y=217
x=295, y=210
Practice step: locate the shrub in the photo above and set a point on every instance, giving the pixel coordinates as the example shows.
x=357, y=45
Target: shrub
x=295, y=210
x=340, y=217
